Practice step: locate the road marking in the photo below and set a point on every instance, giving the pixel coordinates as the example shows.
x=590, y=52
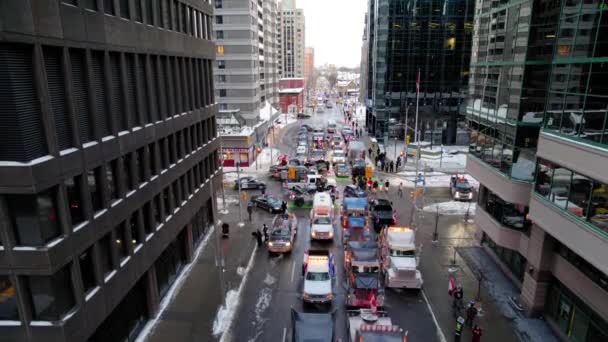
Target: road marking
x=439, y=332
x=293, y=268
x=284, y=334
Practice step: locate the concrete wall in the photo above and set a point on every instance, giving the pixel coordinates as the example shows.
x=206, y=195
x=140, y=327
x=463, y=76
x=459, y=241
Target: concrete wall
x=508, y=189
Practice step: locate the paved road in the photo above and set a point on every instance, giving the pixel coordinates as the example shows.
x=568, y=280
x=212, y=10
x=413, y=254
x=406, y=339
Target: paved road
x=274, y=284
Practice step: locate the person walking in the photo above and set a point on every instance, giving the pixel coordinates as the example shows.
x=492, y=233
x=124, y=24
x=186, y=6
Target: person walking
x=369, y=184
x=250, y=209
x=258, y=236
x=369, y=151
x=378, y=151
x=386, y=184
x=476, y=337
x=265, y=232
x=375, y=186
x=283, y=207
x=379, y=164
x=392, y=166
x=458, y=329
x=400, y=190
x=471, y=313
x=398, y=164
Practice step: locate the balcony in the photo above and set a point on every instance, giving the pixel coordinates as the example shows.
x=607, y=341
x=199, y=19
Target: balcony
x=498, y=178
x=574, y=154
x=577, y=234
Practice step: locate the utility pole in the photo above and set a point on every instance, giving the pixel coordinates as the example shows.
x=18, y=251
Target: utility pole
x=435, y=233
x=238, y=179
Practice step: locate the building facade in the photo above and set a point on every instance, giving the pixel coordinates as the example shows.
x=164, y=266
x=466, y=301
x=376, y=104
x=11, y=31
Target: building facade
x=363, y=65
x=309, y=65
x=537, y=112
x=108, y=159
x=405, y=36
x=291, y=95
x=246, y=70
x=292, y=39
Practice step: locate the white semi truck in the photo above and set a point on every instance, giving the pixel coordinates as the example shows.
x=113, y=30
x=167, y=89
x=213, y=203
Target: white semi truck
x=398, y=258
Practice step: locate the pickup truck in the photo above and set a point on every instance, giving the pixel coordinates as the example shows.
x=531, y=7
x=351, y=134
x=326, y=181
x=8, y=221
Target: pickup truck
x=382, y=213
x=321, y=228
x=309, y=182
x=318, y=271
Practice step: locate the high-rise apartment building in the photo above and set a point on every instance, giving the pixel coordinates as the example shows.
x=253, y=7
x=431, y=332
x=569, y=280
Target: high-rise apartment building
x=309, y=65
x=538, y=113
x=108, y=162
x=245, y=74
x=363, y=65
x=405, y=36
x=292, y=39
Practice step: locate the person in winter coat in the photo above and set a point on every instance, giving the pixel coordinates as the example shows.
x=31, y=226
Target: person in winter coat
x=265, y=232
x=386, y=184
x=369, y=151
x=374, y=186
x=476, y=333
x=391, y=166
x=471, y=313
x=284, y=207
x=369, y=184
x=250, y=209
x=398, y=164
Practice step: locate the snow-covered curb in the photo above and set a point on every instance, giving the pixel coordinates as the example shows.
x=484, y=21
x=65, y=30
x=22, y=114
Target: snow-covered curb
x=452, y=208
x=173, y=290
x=225, y=314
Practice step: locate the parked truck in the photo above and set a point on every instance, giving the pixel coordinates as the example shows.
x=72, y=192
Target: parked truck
x=398, y=258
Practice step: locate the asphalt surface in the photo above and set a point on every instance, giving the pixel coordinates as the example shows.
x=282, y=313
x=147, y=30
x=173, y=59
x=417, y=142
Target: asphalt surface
x=274, y=285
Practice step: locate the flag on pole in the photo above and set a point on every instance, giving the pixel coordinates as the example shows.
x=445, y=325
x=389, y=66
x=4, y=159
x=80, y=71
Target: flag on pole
x=418, y=82
x=451, y=286
x=373, y=305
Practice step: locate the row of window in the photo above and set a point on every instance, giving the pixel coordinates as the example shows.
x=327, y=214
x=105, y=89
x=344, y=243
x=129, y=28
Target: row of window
x=166, y=14
x=35, y=217
x=511, y=215
x=52, y=297
x=514, y=261
x=109, y=92
x=574, y=193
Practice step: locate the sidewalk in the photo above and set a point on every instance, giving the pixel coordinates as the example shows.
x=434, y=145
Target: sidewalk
x=193, y=305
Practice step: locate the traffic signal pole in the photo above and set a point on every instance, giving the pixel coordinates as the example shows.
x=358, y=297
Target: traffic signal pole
x=238, y=180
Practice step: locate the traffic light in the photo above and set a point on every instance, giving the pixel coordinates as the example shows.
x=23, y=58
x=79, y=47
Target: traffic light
x=368, y=171
x=291, y=173
x=407, y=139
x=243, y=195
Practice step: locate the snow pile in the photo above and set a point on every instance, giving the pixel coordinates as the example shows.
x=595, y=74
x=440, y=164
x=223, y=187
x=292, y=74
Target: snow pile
x=452, y=208
x=262, y=304
x=267, y=112
x=432, y=180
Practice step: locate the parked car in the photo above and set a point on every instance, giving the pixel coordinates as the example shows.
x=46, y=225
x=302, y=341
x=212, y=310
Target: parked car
x=342, y=170
x=249, y=183
x=269, y=203
x=354, y=191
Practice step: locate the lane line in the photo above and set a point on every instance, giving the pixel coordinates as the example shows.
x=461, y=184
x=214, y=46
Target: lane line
x=293, y=268
x=284, y=334
x=439, y=331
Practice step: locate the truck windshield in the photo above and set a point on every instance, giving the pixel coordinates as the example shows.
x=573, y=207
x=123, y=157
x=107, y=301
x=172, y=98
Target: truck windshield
x=280, y=232
x=397, y=253
x=317, y=276
x=322, y=220
x=383, y=208
x=366, y=269
x=463, y=186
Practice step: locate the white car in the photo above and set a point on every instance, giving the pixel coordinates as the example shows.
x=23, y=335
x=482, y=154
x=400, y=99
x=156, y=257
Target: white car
x=338, y=156
x=318, y=272
x=322, y=228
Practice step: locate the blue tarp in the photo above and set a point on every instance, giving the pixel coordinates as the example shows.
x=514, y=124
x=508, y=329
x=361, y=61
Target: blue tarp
x=356, y=222
x=355, y=203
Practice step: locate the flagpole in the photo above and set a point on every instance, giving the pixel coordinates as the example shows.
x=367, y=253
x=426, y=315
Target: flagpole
x=416, y=137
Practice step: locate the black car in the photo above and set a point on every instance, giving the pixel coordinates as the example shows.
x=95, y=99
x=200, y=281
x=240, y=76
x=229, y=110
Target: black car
x=300, y=196
x=249, y=183
x=354, y=191
x=270, y=203
x=358, y=168
x=312, y=326
x=382, y=213
x=308, y=127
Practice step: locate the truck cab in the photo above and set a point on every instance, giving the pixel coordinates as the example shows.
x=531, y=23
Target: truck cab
x=382, y=213
x=460, y=188
x=398, y=258
x=362, y=272
x=371, y=325
x=318, y=271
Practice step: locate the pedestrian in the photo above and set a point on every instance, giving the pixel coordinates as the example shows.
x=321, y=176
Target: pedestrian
x=378, y=151
x=386, y=184
x=471, y=313
x=392, y=166
x=380, y=185
x=250, y=209
x=369, y=184
x=258, y=236
x=379, y=164
x=354, y=180
x=398, y=164
x=458, y=329
x=265, y=232
x=400, y=190
x=374, y=186
x=476, y=334
x=369, y=151
x=263, y=192
x=283, y=207
x=457, y=303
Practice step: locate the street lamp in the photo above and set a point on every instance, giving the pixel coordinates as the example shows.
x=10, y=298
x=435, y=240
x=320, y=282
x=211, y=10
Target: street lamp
x=238, y=181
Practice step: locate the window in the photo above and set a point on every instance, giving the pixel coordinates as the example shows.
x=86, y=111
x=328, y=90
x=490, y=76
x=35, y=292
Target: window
x=8, y=300
x=158, y=211
x=134, y=227
x=94, y=183
x=149, y=213
x=112, y=179
x=81, y=95
x=149, y=12
x=89, y=4
x=124, y=9
x=220, y=48
x=73, y=187
x=138, y=15
x=108, y=7
x=221, y=64
x=105, y=254
x=34, y=218
x=51, y=296
x=220, y=35
x=167, y=201
x=53, y=62
x=122, y=241
x=128, y=169
x=218, y=3
x=219, y=19
x=87, y=270
x=154, y=159
x=222, y=92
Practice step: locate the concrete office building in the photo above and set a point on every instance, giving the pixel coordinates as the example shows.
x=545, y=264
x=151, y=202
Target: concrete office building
x=292, y=39
x=309, y=65
x=108, y=154
x=538, y=113
x=405, y=36
x=245, y=35
x=363, y=65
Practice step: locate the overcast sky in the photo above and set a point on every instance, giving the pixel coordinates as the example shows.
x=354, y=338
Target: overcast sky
x=335, y=29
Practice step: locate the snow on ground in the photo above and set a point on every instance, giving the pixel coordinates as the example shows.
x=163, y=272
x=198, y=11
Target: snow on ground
x=225, y=314
x=445, y=158
x=263, y=163
x=433, y=179
x=281, y=122
x=452, y=208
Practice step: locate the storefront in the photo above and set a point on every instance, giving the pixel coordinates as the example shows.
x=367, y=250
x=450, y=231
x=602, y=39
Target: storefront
x=572, y=317
x=234, y=155
x=239, y=148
